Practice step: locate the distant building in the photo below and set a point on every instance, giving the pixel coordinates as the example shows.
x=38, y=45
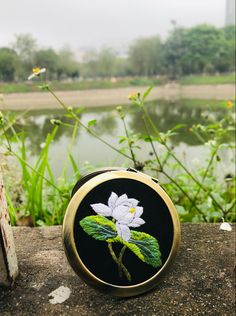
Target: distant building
x=230, y=12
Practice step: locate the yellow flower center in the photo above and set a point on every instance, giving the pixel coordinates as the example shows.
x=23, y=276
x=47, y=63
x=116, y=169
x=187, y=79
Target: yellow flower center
x=132, y=210
x=36, y=70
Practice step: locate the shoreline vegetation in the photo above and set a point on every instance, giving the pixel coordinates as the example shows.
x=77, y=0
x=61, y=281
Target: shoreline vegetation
x=113, y=82
x=39, y=197
x=113, y=97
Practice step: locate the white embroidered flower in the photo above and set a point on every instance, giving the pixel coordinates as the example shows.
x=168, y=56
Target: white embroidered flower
x=36, y=72
x=125, y=211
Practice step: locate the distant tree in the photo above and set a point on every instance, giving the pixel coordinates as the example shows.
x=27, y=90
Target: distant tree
x=25, y=46
x=68, y=66
x=202, y=48
x=122, y=67
x=9, y=64
x=226, y=60
x=145, y=56
x=99, y=64
x=106, y=62
x=199, y=49
x=89, y=66
x=173, y=51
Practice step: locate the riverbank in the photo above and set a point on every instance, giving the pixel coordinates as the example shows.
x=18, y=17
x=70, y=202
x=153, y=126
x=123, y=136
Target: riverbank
x=106, y=97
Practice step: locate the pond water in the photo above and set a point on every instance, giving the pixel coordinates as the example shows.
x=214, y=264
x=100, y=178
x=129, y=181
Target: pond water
x=88, y=150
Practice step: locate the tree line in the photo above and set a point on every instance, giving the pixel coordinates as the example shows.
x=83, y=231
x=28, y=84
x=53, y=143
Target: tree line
x=196, y=50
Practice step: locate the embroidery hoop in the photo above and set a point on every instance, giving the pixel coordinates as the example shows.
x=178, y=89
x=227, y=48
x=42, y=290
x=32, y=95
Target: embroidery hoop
x=81, y=189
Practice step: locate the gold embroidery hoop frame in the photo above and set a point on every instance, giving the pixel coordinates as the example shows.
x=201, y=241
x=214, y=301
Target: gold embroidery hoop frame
x=68, y=233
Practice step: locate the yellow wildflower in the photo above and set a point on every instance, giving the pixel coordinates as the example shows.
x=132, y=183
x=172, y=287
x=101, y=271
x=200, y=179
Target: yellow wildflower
x=133, y=96
x=229, y=104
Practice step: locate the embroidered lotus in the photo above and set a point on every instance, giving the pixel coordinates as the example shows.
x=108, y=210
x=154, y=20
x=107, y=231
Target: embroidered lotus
x=124, y=214
x=124, y=211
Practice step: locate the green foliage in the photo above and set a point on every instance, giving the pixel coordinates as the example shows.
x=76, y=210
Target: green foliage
x=99, y=64
x=208, y=79
x=25, y=46
x=200, y=194
x=48, y=59
x=67, y=65
x=200, y=49
x=40, y=198
x=144, y=246
x=99, y=227
x=17, y=63
x=9, y=64
x=186, y=51
x=145, y=57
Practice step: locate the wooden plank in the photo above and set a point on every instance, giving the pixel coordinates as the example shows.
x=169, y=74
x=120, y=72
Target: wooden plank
x=8, y=259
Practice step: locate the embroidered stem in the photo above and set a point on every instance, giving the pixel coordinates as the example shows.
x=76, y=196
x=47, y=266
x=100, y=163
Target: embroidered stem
x=126, y=272
x=121, y=268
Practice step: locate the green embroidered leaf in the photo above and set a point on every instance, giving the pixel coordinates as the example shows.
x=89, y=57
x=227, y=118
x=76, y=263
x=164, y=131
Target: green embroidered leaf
x=99, y=227
x=145, y=247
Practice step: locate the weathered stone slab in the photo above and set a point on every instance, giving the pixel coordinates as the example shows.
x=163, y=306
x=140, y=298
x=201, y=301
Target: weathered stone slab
x=199, y=283
x=8, y=260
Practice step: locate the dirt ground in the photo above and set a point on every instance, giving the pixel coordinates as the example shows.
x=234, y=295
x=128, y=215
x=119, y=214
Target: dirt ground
x=200, y=282
x=105, y=97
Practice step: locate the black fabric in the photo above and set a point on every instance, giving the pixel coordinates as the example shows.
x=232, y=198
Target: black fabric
x=158, y=223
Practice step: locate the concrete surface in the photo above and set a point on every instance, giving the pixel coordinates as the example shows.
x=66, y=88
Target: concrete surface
x=199, y=283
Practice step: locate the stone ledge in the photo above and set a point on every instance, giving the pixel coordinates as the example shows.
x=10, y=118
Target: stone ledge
x=199, y=283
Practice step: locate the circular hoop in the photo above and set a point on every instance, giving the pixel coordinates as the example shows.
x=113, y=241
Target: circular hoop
x=98, y=188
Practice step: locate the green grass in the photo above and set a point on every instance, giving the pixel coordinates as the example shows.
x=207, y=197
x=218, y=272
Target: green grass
x=198, y=103
x=208, y=79
x=32, y=86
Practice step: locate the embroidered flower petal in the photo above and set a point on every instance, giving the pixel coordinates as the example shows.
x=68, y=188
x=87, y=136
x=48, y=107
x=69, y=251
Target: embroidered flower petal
x=112, y=200
x=133, y=202
x=121, y=199
x=137, y=222
x=123, y=231
x=120, y=212
x=101, y=209
x=127, y=218
x=139, y=211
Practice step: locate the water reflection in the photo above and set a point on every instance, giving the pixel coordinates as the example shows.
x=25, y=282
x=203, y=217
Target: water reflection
x=37, y=126
x=108, y=126
x=167, y=115
x=106, y=123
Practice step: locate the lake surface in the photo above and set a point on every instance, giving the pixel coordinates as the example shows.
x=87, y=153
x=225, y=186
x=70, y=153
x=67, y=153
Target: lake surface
x=88, y=150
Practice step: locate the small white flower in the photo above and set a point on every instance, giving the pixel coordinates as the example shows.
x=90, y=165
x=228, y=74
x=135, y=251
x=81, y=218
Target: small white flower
x=125, y=211
x=36, y=72
x=225, y=226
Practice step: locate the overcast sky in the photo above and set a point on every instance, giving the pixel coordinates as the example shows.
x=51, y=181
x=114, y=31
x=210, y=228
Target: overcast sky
x=94, y=23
